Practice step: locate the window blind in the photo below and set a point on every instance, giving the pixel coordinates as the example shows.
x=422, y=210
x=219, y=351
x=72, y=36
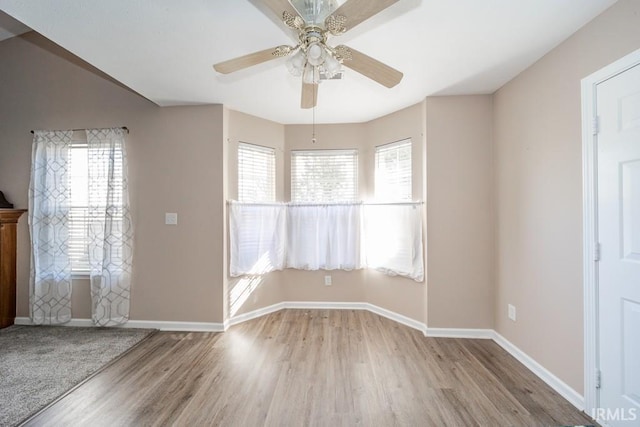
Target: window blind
x=324, y=176
x=79, y=213
x=256, y=173
x=79, y=208
x=393, y=172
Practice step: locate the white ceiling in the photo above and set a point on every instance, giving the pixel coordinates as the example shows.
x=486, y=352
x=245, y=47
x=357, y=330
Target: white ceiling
x=165, y=49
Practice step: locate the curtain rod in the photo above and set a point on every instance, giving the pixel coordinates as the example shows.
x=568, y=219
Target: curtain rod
x=293, y=204
x=393, y=203
x=78, y=130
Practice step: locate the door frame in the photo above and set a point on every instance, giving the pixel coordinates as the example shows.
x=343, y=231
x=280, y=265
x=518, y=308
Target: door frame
x=590, y=221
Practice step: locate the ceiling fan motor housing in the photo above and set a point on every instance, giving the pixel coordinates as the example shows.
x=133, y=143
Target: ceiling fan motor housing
x=312, y=35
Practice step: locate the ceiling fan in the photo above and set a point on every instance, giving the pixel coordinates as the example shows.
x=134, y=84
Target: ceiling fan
x=312, y=23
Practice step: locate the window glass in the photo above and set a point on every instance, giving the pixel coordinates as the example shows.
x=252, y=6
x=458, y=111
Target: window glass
x=324, y=176
x=256, y=173
x=393, y=172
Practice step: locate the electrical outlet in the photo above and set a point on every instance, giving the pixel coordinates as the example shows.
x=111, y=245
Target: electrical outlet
x=327, y=280
x=171, y=218
x=512, y=312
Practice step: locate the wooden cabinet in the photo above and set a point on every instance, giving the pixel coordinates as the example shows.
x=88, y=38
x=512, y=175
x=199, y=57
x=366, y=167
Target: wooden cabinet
x=8, y=234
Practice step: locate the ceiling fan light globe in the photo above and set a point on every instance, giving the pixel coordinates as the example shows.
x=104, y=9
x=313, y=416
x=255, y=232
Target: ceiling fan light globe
x=314, y=51
x=295, y=64
x=331, y=66
x=298, y=59
x=297, y=72
x=316, y=54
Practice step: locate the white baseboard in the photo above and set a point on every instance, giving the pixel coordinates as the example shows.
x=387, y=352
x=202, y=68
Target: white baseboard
x=250, y=315
x=144, y=324
x=321, y=305
x=176, y=326
x=404, y=320
x=575, y=398
x=25, y=321
x=460, y=333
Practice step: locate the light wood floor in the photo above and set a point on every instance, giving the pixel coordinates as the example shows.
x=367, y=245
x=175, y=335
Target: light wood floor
x=313, y=367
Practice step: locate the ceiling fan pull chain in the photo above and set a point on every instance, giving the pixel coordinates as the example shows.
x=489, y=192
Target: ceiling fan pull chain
x=313, y=126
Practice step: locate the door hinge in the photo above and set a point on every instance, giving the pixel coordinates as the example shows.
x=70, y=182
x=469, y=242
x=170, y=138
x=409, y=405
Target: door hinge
x=595, y=125
x=598, y=378
x=596, y=252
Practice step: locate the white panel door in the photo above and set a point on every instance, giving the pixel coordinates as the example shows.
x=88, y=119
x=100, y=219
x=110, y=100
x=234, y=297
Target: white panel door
x=618, y=141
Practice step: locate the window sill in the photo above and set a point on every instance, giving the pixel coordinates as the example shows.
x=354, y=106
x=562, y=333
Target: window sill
x=80, y=276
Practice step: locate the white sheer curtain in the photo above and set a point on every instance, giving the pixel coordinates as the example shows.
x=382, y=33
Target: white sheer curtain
x=110, y=229
x=343, y=236
x=49, y=197
x=257, y=237
x=393, y=239
x=324, y=237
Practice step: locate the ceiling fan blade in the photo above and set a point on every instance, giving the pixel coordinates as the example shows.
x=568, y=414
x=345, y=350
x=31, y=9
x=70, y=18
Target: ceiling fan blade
x=355, y=12
x=369, y=67
x=309, y=95
x=252, y=59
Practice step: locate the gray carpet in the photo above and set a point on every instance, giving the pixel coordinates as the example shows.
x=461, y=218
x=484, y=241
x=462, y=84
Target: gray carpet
x=40, y=363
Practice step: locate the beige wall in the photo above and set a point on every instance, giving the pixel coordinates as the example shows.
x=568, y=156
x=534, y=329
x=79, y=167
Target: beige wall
x=333, y=136
x=175, y=159
x=445, y=131
x=409, y=122
x=254, y=130
x=245, y=295
x=460, y=211
x=348, y=286
x=398, y=294
x=537, y=156
x=451, y=139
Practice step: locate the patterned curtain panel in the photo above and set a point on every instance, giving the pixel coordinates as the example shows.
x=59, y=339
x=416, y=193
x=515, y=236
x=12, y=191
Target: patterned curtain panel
x=110, y=227
x=49, y=197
